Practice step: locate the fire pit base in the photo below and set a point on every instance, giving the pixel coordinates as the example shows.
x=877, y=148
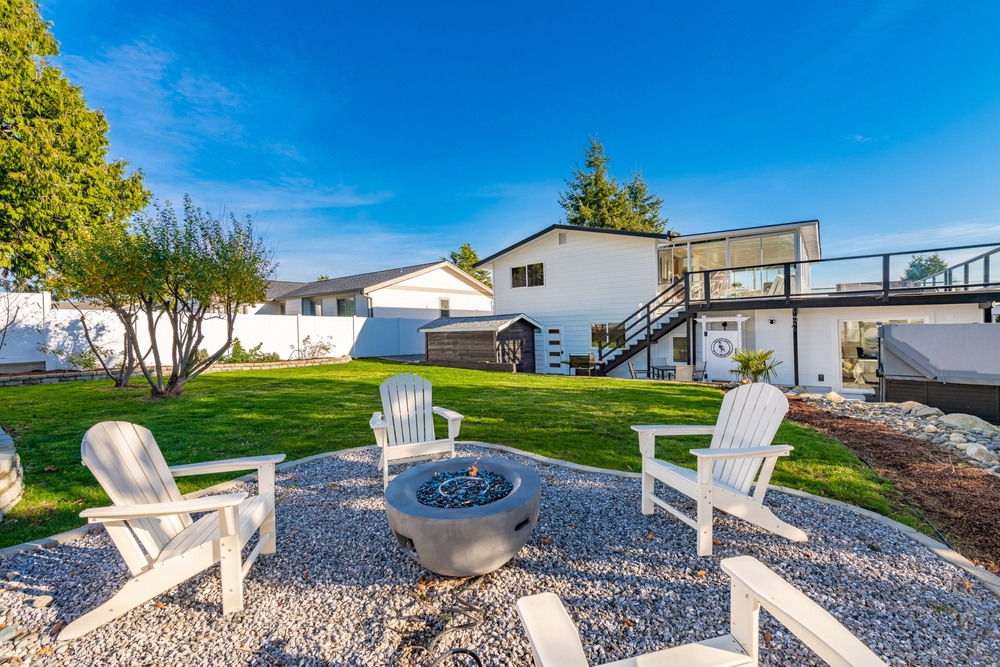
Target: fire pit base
x=463, y=541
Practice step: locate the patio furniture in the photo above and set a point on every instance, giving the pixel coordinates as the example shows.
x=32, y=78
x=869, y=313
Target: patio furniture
x=683, y=373
x=583, y=364
x=405, y=432
x=741, y=450
x=555, y=641
x=151, y=525
x=699, y=371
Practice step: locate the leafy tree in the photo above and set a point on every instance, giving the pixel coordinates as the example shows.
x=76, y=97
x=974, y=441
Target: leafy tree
x=466, y=259
x=921, y=266
x=185, y=272
x=322, y=277
x=54, y=175
x=595, y=199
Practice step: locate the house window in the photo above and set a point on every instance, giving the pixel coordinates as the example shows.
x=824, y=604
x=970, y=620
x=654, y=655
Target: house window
x=606, y=333
x=312, y=307
x=859, y=352
x=345, y=307
x=680, y=349
x=532, y=275
x=445, y=307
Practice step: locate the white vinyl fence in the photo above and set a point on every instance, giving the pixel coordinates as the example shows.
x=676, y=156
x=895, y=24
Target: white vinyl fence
x=40, y=326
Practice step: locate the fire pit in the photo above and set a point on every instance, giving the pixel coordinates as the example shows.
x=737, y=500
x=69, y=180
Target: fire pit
x=466, y=516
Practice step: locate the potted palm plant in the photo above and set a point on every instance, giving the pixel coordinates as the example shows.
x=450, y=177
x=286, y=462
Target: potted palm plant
x=755, y=365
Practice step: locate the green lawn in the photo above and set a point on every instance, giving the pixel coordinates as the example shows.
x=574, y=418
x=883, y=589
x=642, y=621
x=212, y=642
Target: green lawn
x=306, y=411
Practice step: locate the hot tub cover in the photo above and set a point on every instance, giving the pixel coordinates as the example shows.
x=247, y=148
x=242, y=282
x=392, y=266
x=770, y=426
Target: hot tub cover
x=955, y=353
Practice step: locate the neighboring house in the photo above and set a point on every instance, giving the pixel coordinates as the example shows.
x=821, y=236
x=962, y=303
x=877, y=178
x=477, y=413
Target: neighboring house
x=701, y=296
x=424, y=291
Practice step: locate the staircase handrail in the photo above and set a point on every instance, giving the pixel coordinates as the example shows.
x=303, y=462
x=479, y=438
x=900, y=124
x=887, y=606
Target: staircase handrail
x=623, y=335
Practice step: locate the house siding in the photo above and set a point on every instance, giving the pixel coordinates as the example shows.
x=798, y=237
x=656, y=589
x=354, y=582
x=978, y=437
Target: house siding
x=592, y=278
x=419, y=297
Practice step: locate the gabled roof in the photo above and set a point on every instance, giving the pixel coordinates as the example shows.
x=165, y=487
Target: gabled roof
x=481, y=323
x=278, y=288
x=574, y=228
x=367, y=282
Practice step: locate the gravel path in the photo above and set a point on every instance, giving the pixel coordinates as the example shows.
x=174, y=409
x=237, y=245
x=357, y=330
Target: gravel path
x=340, y=592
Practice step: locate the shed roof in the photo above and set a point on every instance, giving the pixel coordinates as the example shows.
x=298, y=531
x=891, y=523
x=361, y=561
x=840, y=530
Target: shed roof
x=481, y=323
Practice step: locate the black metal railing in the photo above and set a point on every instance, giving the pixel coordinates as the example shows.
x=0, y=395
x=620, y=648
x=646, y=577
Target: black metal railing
x=644, y=320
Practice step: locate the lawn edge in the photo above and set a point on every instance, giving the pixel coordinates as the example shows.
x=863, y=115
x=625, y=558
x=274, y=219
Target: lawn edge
x=989, y=580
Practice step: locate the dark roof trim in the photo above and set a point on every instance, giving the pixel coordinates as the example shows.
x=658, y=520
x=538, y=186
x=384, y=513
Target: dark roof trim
x=572, y=228
x=729, y=232
x=477, y=323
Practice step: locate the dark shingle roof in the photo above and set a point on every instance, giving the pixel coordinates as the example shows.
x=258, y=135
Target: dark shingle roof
x=481, y=323
x=278, y=288
x=353, y=283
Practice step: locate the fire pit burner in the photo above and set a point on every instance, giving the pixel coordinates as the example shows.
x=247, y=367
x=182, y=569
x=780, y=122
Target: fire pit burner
x=469, y=487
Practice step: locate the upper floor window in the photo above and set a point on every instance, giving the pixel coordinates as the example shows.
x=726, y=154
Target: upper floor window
x=445, y=307
x=532, y=275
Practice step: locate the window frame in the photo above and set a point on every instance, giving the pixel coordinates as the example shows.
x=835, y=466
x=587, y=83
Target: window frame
x=444, y=306
x=525, y=270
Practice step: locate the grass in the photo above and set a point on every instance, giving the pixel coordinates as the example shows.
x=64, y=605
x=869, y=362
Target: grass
x=305, y=411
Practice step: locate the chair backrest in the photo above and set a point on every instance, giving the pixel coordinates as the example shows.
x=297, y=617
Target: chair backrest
x=777, y=286
x=406, y=404
x=631, y=370
x=700, y=366
x=127, y=462
x=750, y=416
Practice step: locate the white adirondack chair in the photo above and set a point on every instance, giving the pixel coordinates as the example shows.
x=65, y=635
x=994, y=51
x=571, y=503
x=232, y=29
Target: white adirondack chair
x=741, y=450
x=555, y=641
x=171, y=546
x=406, y=431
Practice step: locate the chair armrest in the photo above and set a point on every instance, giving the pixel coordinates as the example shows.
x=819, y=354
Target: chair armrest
x=674, y=430
x=447, y=414
x=454, y=421
x=743, y=453
x=125, y=512
x=812, y=624
x=229, y=465
x=554, y=639
x=377, y=422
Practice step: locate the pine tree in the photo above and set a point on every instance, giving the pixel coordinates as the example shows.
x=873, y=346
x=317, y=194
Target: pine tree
x=54, y=175
x=921, y=266
x=466, y=259
x=595, y=199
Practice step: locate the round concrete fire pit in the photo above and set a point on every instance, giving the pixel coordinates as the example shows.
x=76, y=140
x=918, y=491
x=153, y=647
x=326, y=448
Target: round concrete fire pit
x=466, y=516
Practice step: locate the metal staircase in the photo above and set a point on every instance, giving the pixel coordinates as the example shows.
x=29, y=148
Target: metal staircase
x=654, y=320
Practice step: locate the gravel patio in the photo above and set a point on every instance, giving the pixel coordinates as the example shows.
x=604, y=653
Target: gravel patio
x=340, y=592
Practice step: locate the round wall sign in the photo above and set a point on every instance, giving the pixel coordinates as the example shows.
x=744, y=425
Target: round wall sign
x=722, y=347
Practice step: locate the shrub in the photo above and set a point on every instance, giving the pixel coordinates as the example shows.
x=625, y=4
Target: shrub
x=240, y=355
x=754, y=365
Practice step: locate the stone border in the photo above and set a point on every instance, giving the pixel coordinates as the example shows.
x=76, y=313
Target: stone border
x=986, y=578
x=87, y=376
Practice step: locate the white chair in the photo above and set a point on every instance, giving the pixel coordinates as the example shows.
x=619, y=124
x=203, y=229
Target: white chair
x=405, y=432
x=555, y=641
x=741, y=450
x=151, y=522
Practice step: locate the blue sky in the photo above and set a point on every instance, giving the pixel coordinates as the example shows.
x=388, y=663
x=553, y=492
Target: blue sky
x=367, y=135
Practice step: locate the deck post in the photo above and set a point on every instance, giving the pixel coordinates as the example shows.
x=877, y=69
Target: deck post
x=986, y=271
x=795, y=344
x=649, y=346
x=788, y=283
x=708, y=288
x=885, y=278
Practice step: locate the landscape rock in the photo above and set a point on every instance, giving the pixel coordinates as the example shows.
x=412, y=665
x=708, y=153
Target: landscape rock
x=926, y=411
x=967, y=422
x=42, y=601
x=834, y=396
x=909, y=406
x=980, y=453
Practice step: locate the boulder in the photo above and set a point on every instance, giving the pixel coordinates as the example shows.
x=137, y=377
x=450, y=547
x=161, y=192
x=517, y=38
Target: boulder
x=925, y=411
x=980, y=453
x=908, y=406
x=834, y=397
x=967, y=422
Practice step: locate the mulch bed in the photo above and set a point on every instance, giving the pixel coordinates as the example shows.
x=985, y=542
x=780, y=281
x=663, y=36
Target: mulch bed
x=963, y=501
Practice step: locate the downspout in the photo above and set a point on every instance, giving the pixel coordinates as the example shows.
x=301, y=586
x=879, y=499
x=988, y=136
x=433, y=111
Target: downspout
x=795, y=344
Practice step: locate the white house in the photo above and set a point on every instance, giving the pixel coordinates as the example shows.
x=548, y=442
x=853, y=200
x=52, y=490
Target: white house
x=424, y=291
x=698, y=297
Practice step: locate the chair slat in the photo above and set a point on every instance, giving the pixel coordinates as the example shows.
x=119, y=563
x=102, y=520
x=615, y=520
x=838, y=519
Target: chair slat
x=749, y=417
x=411, y=408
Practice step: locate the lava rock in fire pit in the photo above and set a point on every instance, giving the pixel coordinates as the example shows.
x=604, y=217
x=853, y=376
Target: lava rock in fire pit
x=459, y=524
x=469, y=487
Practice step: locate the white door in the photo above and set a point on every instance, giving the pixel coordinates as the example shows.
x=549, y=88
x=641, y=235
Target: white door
x=554, y=352
x=719, y=345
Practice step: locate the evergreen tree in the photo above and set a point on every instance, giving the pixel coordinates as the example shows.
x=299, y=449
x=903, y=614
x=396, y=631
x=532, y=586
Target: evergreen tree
x=54, y=175
x=466, y=259
x=921, y=266
x=595, y=199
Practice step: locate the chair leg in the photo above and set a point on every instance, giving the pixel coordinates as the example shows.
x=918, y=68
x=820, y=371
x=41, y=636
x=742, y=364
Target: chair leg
x=647, y=450
x=764, y=518
x=267, y=526
x=648, y=486
x=704, y=509
x=230, y=561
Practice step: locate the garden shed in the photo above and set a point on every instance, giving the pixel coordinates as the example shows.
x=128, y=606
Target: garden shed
x=492, y=342
x=953, y=367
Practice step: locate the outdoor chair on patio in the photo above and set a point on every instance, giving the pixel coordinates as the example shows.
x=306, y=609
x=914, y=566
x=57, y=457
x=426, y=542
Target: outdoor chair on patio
x=741, y=450
x=555, y=641
x=151, y=522
x=405, y=433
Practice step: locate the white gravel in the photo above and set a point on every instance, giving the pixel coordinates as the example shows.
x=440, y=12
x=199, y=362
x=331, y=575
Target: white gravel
x=340, y=592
